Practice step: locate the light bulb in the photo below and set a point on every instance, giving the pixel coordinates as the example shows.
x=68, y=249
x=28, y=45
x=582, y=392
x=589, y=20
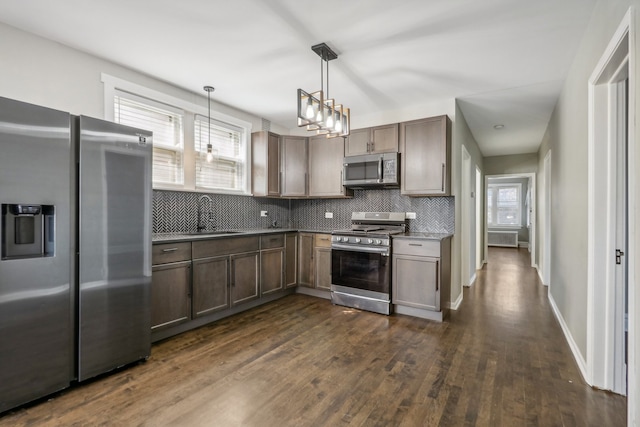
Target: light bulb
x=330, y=121
x=338, y=125
x=209, y=153
x=310, y=113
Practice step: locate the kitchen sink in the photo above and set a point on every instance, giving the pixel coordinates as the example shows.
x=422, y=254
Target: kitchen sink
x=211, y=233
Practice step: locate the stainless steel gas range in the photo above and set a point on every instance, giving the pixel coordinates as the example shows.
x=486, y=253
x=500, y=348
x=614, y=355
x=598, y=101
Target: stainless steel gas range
x=361, y=261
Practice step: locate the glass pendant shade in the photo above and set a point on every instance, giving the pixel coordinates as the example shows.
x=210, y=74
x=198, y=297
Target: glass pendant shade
x=309, y=107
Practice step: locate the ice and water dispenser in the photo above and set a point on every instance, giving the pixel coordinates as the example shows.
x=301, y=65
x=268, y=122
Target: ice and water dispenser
x=28, y=231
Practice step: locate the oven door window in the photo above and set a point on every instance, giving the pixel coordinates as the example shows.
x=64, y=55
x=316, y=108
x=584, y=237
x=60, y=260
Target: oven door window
x=362, y=270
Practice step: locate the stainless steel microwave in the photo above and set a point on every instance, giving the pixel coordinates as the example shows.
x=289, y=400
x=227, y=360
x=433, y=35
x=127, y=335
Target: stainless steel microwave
x=372, y=170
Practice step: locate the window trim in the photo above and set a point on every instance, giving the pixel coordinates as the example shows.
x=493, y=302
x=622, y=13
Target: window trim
x=113, y=84
x=494, y=208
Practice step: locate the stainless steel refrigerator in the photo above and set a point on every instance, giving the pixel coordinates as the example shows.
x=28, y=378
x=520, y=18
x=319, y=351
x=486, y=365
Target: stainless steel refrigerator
x=75, y=254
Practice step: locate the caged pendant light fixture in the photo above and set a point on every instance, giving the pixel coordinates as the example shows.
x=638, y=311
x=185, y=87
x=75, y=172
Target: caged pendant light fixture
x=209, y=89
x=318, y=113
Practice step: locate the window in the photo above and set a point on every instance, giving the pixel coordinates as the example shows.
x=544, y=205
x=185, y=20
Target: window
x=180, y=136
x=166, y=125
x=226, y=171
x=504, y=205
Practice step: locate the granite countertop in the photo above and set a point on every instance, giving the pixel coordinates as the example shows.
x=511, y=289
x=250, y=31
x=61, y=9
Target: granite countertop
x=189, y=236
x=422, y=235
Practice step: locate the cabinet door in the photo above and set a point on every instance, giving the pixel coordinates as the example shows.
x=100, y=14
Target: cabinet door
x=416, y=282
x=291, y=260
x=323, y=268
x=425, y=147
x=210, y=285
x=170, y=294
x=271, y=271
x=305, y=260
x=265, y=164
x=325, y=167
x=357, y=142
x=294, y=166
x=273, y=165
x=384, y=139
x=245, y=270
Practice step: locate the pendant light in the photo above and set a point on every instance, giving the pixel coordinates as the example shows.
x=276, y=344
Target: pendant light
x=318, y=113
x=209, y=89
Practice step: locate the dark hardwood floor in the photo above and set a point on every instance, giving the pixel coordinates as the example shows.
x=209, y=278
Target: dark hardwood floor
x=500, y=360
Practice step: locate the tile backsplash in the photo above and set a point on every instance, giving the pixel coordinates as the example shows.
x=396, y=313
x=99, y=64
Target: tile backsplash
x=175, y=211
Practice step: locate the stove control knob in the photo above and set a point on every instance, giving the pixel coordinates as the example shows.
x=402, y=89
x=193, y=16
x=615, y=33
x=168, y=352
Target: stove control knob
x=369, y=241
x=357, y=240
x=378, y=242
x=343, y=239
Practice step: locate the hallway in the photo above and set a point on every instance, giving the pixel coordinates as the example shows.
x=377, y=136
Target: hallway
x=500, y=360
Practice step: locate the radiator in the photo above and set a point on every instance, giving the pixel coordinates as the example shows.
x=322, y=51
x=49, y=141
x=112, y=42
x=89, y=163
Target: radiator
x=503, y=238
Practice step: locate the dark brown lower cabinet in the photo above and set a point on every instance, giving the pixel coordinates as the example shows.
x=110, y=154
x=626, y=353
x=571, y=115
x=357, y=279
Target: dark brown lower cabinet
x=245, y=277
x=210, y=285
x=271, y=270
x=291, y=260
x=170, y=294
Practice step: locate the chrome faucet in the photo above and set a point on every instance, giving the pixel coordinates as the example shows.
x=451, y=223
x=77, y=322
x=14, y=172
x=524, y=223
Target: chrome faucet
x=200, y=226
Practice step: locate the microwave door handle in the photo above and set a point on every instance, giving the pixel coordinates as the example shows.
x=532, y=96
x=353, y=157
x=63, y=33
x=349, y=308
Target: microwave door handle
x=380, y=179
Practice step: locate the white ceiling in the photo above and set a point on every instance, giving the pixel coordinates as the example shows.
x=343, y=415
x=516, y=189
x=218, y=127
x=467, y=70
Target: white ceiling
x=504, y=60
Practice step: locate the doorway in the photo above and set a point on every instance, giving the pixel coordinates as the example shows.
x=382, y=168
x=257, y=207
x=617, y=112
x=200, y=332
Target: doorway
x=609, y=248
x=527, y=211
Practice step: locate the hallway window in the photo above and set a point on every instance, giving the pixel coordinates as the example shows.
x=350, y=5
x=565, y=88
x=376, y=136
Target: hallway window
x=503, y=205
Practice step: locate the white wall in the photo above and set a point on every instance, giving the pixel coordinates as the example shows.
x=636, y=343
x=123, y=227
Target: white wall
x=43, y=72
x=511, y=164
x=567, y=137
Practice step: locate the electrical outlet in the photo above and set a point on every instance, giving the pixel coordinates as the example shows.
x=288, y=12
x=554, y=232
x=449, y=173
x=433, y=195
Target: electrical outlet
x=264, y=213
x=410, y=215
x=328, y=214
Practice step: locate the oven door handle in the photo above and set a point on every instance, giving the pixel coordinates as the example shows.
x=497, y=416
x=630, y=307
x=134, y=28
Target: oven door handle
x=381, y=251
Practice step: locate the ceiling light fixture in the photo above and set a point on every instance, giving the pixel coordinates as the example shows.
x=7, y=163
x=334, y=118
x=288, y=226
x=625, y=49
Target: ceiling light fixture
x=317, y=113
x=498, y=127
x=209, y=89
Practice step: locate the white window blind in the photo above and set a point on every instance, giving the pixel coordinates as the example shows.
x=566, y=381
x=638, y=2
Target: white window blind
x=504, y=205
x=166, y=125
x=227, y=170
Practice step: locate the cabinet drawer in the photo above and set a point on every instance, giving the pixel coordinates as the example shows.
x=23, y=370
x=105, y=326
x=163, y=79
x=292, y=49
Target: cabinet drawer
x=416, y=247
x=171, y=252
x=272, y=241
x=218, y=247
x=322, y=241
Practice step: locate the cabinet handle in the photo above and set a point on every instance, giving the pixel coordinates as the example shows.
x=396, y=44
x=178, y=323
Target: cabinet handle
x=415, y=244
x=368, y=143
x=170, y=250
x=443, y=177
x=373, y=146
x=324, y=238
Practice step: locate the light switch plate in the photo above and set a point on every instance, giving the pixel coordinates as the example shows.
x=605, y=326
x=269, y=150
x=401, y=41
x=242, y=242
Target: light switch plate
x=410, y=215
x=263, y=213
x=328, y=214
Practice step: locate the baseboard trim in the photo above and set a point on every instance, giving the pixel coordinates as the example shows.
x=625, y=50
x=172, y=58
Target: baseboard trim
x=456, y=304
x=582, y=364
x=318, y=293
x=540, y=276
x=472, y=280
x=523, y=244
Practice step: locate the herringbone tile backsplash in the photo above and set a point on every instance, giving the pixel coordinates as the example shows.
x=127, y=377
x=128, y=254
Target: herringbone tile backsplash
x=175, y=211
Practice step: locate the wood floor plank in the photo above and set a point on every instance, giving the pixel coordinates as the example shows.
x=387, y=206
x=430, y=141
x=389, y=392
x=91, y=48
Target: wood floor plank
x=500, y=360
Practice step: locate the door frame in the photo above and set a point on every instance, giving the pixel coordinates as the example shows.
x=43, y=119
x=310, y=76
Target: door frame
x=545, y=249
x=602, y=289
x=479, y=195
x=466, y=248
x=532, y=209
